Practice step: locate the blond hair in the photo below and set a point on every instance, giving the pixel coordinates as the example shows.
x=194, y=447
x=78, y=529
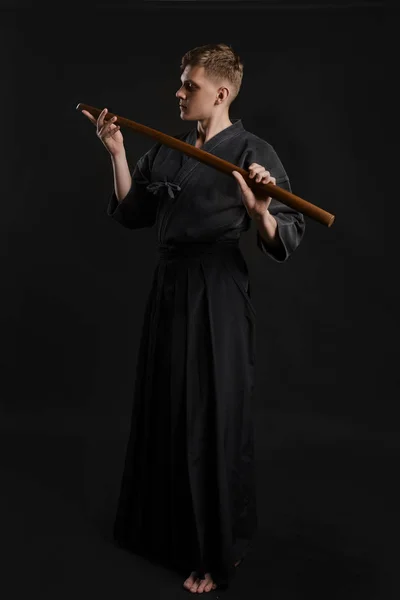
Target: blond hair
x=220, y=62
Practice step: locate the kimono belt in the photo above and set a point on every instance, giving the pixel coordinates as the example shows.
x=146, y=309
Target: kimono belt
x=181, y=250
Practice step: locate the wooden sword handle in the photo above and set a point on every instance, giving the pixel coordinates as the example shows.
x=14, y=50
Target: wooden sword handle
x=268, y=189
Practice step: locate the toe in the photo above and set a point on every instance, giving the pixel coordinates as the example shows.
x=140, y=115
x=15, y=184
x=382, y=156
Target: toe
x=190, y=580
x=195, y=585
x=210, y=586
x=202, y=585
x=206, y=583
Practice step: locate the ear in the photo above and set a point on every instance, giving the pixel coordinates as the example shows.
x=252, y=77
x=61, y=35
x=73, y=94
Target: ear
x=223, y=93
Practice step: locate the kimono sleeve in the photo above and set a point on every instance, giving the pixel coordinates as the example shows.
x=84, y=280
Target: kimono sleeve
x=291, y=224
x=139, y=207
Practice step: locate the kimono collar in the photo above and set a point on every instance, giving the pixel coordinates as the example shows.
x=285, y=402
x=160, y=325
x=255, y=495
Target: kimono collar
x=158, y=188
x=222, y=135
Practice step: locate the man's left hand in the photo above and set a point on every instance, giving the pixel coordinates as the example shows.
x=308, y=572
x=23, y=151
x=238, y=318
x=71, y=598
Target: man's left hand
x=256, y=204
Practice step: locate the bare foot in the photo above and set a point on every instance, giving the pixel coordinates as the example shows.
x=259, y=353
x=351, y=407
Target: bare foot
x=190, y=580
x=194, y=584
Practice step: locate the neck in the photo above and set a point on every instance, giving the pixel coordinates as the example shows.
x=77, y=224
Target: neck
x=207, y=128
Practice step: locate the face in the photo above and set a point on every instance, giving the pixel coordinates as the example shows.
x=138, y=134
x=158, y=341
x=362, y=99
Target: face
x=198, y=96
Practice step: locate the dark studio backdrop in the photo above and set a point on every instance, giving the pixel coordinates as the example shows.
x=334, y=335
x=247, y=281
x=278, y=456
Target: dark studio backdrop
x=75, y=283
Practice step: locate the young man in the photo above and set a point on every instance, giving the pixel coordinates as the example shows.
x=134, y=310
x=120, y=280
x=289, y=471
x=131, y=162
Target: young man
x=188, y=490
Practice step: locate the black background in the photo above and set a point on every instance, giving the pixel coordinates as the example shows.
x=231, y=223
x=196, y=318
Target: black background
x=318, y=86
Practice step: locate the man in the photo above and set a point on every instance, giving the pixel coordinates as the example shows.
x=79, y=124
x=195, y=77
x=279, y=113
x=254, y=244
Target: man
x=188, y=490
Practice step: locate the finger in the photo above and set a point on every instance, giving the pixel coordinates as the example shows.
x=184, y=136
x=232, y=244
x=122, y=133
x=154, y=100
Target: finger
x=240, y=180
x=237, y=175
x=100, y=120
x=247, y=194
x=269, y=179
x=107, y=127
x=90, y=117
x=256, y=169
x=259, y=174
x=109, y=123
x=110, y=132
x=263, y=176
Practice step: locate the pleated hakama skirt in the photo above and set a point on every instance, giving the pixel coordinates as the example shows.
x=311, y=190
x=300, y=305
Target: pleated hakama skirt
x=187, y=497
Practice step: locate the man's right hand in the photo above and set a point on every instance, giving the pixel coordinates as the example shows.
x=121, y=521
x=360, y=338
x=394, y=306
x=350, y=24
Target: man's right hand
x=107, y=132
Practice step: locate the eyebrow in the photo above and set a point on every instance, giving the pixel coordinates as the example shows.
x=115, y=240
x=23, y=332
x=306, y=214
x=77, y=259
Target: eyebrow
x=190, y=81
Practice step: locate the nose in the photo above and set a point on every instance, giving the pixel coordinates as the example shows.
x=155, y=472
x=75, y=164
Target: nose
x=179, y=93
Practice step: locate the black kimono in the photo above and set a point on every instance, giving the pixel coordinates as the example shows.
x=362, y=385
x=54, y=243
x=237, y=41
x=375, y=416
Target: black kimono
x=188, y=497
